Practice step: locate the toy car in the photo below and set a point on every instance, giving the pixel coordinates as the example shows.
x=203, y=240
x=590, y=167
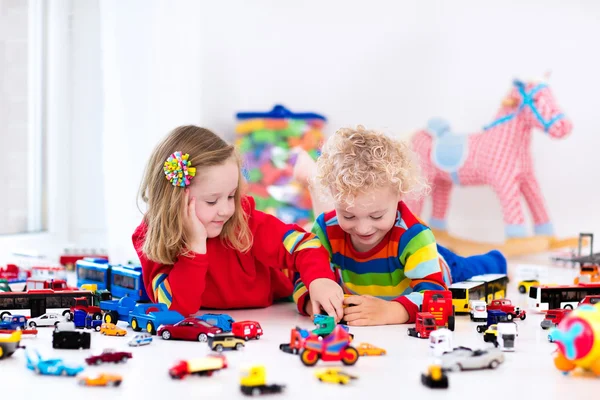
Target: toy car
x=334, y=375
x=221, y=321
x=222, y=341
x=478, y=310
x=152, y=315
x=506, y=306
x=440, y=341
x=50, y=366
x=188, y=329
x=81, y=319
x=112, y=330
x=434, y=378
x=247, y=330
x=109, y=355
x=297, y=338
x=13, y=322
x=9, y=343
x=591, y=299
x=254, y=382
x=70, y=339
x=48, y=319
x=553, y=317
x=141, y=339
x=101, y=379
x=366, y=349
x=425, y=323
x=463, y=358
x=525, y=285
x=205, y=366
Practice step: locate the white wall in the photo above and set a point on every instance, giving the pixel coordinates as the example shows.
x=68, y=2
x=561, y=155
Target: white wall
x=391, y=65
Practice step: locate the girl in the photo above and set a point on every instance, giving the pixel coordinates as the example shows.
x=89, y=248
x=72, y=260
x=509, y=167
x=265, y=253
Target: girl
x=383, y=256
x=202, y=243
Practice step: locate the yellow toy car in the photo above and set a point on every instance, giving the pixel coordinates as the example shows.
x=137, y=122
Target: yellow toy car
x=366, y=349
x=334, y=375
x=222, y=341
x=525, y=285
x=101, y=379
x=109, y=329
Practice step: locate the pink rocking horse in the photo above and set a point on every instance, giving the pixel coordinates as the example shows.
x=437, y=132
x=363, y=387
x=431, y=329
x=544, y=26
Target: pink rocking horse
x=498, y=156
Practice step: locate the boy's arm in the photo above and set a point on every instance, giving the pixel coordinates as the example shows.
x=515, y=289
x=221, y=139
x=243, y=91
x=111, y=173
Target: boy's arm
x=418, y=253
x=180, y=286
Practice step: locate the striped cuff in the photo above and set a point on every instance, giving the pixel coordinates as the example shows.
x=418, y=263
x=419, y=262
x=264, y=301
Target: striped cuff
x=162, y=289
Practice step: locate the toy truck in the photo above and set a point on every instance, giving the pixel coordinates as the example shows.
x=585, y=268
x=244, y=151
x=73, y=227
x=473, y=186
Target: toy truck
x=494, y=316
x=553, y=317
x=440, y=341
x=507, y=335
x=297, y=338
x=247, y=330
x=439, y=303
x=81, y=319
x=254, y=382
x=151, y=316
x=117, y=310
x=506, y=305
x=81, y=303
x=205, y=366
x=424, y=325
x=334, y=347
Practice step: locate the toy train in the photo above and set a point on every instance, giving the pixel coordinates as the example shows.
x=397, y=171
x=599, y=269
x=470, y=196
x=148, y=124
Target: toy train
x=120, y=280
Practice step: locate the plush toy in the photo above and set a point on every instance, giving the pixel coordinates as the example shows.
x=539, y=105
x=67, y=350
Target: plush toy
x=267, y=141
x=498, y=156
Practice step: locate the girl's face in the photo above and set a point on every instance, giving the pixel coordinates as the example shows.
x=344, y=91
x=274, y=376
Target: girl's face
x=214, y=188
x=370, y=218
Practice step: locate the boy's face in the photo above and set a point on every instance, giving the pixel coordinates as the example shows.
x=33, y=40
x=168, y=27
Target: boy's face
x=214, y=189
x=370, y=218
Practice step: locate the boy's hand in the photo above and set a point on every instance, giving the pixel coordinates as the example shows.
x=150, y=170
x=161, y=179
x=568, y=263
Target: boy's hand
x=325, y=293
x=369, y=310
x=195, y=230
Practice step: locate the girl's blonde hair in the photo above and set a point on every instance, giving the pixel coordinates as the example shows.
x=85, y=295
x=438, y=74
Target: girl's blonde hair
x=165, y=238
x=354, y=161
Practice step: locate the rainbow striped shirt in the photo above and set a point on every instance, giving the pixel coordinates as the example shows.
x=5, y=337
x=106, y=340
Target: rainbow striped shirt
x=403, y=265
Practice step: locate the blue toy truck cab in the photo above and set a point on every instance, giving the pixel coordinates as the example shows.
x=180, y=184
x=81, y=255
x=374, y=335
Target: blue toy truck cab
x=82, y=319
x=151, y=316
x=494, y=316
x=117, y=310
x=13, y=322
x=222, y=321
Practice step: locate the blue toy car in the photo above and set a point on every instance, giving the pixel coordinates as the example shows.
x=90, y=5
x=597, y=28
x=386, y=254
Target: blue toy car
x=50, y=366
x=222, y=321
x=82, y=319
x=13, y=322
x=141, y=339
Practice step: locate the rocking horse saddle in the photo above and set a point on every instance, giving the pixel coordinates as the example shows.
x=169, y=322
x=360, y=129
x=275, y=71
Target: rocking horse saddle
x=448, y=150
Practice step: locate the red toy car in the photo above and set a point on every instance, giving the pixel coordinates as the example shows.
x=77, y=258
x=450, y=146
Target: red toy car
x=591, y=299
x=439, y=303
x=334, y=347
x=553, y=317
x=188, y=329
x=506, y=305
x=246, y=330
x=109, y=355
x=424, y=325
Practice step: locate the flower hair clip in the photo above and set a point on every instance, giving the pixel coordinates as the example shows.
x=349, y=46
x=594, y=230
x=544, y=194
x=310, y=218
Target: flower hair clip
x=178, y=169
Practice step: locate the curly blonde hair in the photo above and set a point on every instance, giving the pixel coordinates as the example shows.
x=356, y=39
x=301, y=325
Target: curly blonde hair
x=354, y=161
x=165, y=238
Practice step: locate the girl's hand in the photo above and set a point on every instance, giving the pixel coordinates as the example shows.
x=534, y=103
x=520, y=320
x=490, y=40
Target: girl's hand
x=328, y=295
x=195, y=230
x=369, y=310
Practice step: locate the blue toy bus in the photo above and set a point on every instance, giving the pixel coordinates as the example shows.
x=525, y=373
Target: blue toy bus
x=120, y=280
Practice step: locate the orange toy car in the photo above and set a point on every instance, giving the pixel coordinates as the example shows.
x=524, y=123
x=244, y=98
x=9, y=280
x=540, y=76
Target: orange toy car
x=101, y=379
x=109, y=329
x=366, y=349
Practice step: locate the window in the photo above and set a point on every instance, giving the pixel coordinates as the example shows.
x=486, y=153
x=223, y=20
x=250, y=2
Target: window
x=458, y=293
x=53, y=302
x=91, y=274
x=22, y=146
x=533, y=290
x=125, y=281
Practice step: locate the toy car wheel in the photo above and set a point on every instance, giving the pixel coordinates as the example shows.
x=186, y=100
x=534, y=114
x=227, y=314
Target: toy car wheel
x=219, y=348
x=69, y=316
x=350, y=356
x=98, y=362
x=135, y=326
x=97, y=328
x=479, y=329
x=257, y=337
x=521, y=289
x=32, y=324
x=456, y=368
x=202, y=337
x=256, y=392
x=150, y=328
x=523, y=316
x=341, y=382
x=64, y=372
x=166, y=335
x=494, y=364
x=239, y=346
x=510, y=317
x=97, y=316
x=320, y=379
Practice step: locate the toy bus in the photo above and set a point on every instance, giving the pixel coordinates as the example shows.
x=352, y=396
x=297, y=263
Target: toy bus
x=120, y=280
x=548, y=297
x=464, y=292
x=38, y=301
x=494, y=284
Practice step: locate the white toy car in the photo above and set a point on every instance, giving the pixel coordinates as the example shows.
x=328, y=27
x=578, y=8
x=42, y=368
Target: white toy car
x=463, y=358
x=140, y=339
x=440, y=341
x=478, y=310
x=48, y=319
x=64, y=326
x=507, y=334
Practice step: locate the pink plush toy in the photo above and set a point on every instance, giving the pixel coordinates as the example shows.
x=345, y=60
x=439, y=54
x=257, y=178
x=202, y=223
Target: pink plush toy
x=498, y=156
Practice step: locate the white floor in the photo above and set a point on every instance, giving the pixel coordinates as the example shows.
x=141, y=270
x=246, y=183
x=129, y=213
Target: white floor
x=528, y=373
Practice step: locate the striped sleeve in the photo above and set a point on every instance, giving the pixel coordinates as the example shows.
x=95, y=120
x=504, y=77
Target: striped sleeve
x=418, y=254
x=318, y=233
x=162, y=289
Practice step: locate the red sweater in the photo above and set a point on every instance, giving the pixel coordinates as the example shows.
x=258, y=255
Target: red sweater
x=224, y=278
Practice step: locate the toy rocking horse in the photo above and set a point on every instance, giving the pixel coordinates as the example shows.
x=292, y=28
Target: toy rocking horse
x=500, y=157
